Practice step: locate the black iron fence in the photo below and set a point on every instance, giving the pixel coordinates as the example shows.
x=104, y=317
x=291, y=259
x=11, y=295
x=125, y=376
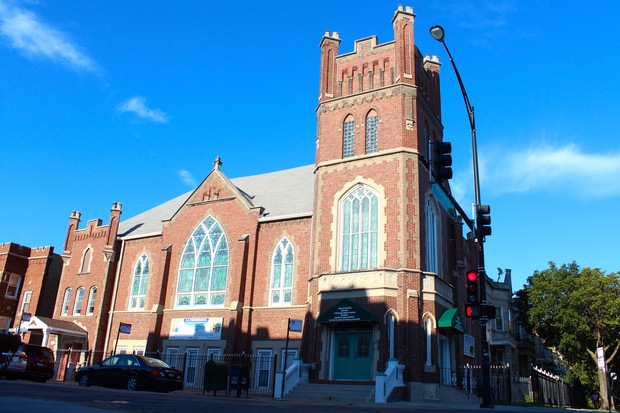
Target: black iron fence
x=540, y=388
x=246, y=374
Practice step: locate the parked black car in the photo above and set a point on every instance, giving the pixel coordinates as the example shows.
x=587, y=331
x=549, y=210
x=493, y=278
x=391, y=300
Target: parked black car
x=132, y=372
x=40, y=364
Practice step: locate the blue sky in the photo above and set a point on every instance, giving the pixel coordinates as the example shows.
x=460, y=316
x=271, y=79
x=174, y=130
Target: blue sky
x=131, y=101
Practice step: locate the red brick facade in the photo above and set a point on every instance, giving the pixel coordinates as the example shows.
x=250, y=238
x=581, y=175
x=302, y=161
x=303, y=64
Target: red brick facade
x=399, y=294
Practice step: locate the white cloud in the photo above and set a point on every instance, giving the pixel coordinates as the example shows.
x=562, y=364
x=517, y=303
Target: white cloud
x=563, y=169
x=32, y=37
x=186, y=177
x=137, y=106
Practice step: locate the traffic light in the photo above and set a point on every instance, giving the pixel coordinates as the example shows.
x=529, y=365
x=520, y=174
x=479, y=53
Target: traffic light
x=442, y=161
x=483, y=220
x=472, y=308
x=472, y=287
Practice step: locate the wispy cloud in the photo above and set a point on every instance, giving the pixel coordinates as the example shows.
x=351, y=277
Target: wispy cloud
x=186, y=177
x=26, y=33
x=137, y=106
x=562, y=169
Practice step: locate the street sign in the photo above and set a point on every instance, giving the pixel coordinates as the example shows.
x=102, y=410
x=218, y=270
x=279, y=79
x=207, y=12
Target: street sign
x=294, y=325
x=125, y=328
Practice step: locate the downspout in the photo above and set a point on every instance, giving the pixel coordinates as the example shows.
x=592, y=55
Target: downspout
x=113, y=304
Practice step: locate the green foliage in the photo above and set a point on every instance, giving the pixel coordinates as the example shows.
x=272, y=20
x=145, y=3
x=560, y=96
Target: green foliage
x=527, y=399
x=574, y=311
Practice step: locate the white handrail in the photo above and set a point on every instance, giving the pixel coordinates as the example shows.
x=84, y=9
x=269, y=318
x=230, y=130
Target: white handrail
x=292, y=379
x=386, y=382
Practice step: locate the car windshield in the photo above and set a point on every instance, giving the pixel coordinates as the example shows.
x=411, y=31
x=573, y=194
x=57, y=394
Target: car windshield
x=155, y=362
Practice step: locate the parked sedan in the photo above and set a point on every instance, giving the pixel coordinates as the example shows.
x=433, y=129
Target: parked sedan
x=132, y=372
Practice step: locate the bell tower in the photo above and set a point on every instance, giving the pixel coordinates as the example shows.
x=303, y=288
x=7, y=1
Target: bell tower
x=378, y=108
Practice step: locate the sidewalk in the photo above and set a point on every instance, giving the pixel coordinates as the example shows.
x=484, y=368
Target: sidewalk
x=395, y=406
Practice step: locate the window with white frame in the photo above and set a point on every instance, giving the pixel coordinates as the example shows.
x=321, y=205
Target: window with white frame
x=92, y=298
x=429, y=342
x=348, y=137
x=26, y=302
x=431, y=237
x=282, y=266
x=499, y=318
x=263, y=368
x=204, y=267
x=79, y=297
x=371, y=132
x=191, y=365
x=12, y=289
x=289, y=355
x=391, y=325
x=137, y=300
x=359, y=225
x=213, y=353
x=65, y=302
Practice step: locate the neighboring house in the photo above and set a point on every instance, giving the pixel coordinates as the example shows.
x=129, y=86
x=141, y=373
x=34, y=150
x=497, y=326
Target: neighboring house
x=29, y=284
x=363, y=246
x=503, y=343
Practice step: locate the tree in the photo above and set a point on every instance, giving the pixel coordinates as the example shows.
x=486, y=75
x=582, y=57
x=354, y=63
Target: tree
x=575, y=311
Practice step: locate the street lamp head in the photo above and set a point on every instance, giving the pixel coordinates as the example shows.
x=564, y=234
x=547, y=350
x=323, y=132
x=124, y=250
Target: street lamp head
x=437, y=33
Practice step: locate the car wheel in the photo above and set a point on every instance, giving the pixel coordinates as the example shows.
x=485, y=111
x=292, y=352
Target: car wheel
x=85, y=380
x=132, y=383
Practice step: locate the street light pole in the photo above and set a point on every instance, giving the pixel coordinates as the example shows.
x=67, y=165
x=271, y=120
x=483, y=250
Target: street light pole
x=438, y=33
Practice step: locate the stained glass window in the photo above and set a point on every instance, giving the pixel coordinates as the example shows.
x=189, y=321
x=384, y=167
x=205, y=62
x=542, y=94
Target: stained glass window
x=204, y=268
x=282, y=267
x=359, y=230
x=137, y=300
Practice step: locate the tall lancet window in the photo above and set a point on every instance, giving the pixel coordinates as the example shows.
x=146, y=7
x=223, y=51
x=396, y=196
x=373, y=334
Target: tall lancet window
x=359, y=226
x=204, y=267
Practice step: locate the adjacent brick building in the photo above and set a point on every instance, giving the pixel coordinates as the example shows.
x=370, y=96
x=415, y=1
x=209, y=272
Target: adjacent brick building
x=29, y=283
x=363, y=246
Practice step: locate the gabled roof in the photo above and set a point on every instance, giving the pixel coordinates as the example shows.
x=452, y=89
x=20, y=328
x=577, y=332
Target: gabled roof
x=282, y=194
x=55, y=326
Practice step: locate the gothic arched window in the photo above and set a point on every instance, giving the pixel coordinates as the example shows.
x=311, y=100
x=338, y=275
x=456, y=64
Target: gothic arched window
x=359, y=212
x=348, y=137
x=137, y=299
x=282, y=265
x=371, y=132
x=204, y=267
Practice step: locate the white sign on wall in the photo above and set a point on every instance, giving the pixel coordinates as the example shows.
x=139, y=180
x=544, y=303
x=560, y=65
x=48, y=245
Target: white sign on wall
x=197, y=328
x=469, y=344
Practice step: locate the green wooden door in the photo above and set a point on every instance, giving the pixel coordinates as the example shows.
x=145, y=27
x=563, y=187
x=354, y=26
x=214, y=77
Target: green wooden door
x=353, y=356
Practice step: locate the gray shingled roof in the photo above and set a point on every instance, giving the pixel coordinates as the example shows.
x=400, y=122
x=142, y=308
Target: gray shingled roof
x=282, y=194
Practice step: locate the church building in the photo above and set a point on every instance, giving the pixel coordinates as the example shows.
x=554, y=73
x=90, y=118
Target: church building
x=366, y=247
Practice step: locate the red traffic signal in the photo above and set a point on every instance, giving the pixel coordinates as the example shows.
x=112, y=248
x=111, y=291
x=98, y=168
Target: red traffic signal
x=472, y=287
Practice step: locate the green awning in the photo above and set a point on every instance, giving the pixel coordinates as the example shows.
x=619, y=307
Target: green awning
x=346, y=311
x=451, y=318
